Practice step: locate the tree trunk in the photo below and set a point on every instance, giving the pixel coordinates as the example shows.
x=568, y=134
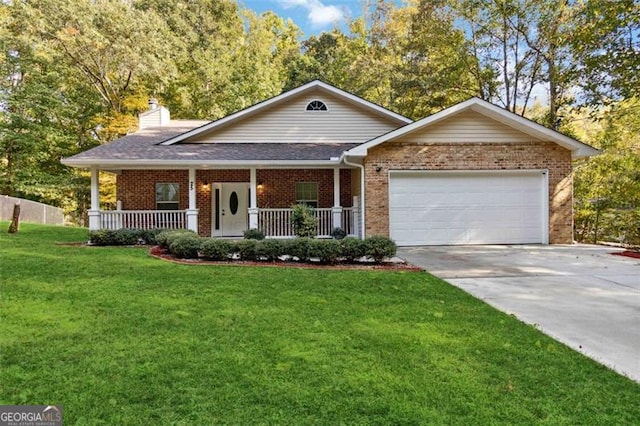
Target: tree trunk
x=15, y=219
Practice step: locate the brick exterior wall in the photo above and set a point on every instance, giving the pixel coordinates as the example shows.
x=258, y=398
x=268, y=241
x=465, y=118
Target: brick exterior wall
x=137, y=188
x=471, y=156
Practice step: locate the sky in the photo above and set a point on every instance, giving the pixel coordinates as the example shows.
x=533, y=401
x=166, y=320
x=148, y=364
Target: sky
x=312, y=16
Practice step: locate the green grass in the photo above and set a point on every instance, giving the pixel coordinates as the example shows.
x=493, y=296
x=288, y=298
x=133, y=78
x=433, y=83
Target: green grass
x=118, y=337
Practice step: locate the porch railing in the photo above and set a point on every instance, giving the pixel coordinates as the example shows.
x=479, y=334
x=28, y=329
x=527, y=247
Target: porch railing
x=277, y=222
x=143, y=219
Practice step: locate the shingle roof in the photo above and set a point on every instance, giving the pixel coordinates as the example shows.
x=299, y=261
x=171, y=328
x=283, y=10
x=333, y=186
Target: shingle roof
x=144, y=146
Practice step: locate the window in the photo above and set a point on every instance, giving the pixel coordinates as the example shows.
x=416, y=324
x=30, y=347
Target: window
x=167, y=196
x=307, y=193
x=316, y=106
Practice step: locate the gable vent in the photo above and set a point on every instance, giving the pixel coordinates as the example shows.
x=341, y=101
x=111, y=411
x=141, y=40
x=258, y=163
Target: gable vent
x=316, y=106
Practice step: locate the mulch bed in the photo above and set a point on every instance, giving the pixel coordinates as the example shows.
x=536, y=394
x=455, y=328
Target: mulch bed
x=628, y=253
x=159, y=253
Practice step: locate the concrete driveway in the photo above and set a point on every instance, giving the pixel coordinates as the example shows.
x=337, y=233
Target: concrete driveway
x=579, y=294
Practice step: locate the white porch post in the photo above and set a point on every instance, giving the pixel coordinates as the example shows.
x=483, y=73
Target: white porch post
x=94, y=211
x=192, y=211
x=253, y=202
x=337, y=207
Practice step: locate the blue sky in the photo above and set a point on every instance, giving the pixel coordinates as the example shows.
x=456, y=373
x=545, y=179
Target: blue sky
x=312, y=16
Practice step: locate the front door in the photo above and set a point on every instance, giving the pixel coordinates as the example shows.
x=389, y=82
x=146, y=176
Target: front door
x=234, y=204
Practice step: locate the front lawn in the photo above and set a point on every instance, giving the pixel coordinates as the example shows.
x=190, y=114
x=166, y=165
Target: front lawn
x=118, y=337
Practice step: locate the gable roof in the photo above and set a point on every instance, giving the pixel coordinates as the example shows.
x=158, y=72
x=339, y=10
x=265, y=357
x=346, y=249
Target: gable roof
x=501, y=115
x=142, y=150
x=262, y=106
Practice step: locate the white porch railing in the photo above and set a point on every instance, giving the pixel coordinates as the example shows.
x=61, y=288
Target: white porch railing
x=277, y=222
x=143, y=219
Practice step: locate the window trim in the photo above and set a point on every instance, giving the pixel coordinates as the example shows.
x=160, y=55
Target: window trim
x=305, y=200
x=176, y=203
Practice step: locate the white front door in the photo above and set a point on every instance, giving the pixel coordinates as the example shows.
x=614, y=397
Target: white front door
x=234, y=203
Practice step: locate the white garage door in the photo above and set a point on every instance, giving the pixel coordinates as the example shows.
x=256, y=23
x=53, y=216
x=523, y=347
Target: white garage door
x=442, y=208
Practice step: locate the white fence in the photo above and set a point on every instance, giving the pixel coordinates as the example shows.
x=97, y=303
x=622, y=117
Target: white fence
x=272, y=222
x=143, y=219
x=277, y=222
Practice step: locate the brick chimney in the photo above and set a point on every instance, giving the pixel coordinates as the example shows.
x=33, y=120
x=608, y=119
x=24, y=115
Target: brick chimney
x=156, y=116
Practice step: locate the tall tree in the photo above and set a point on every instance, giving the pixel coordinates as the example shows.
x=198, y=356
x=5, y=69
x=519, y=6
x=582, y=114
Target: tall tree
x=606, y=46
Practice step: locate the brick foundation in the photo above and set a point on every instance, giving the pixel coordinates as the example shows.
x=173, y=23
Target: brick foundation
x=471, y=156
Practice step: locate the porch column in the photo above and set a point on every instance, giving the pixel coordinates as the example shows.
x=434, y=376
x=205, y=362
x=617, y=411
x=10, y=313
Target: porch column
x=337, y=207
x=94, y=211
x=253, y=202
x=192, y=211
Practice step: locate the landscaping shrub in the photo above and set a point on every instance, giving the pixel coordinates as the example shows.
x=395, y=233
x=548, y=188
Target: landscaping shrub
x=148, y=236
x=270, y=249
x=338, y=233
x=166, y=237
x=215, y=249
x=127, y=237
x=102, y=237
x=299, y=247
x=304, y=221
x=247, y=249
x=114, y=237
x=327, y=251
x=253, y=234
x=185, y=245
x=379, y=247
x=352, y=248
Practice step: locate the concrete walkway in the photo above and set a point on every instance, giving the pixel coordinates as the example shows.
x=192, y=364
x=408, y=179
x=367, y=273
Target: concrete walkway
x=579, y=294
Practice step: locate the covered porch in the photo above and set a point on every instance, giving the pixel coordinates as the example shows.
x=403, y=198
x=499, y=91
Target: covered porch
x=226, y=202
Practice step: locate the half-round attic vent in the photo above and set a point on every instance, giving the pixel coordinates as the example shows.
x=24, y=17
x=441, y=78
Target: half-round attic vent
x=316, y=106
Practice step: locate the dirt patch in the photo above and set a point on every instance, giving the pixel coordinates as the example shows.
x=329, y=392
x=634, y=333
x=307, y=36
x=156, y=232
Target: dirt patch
x=628, y=253
x=159, y=253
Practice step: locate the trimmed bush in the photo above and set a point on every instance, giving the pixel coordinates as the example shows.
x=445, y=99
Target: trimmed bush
x=270, y=249
x=304, y=221
x=299, y=247
x=215, y=249
x=148, y=236
x=166, y=237
x=247, y=249
x=102, y=237
x=253, y=234
x=128, y=237
x=185, y=246
x=338, y=233
x=352, y=248
x=115, y=237
x=379, y=247
x=327, y=251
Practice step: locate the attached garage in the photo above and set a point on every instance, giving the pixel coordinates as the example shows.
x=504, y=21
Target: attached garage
x=468, y=207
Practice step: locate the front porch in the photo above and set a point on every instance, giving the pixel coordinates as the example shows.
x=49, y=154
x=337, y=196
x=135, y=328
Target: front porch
x=227, y=202
x=274, y=223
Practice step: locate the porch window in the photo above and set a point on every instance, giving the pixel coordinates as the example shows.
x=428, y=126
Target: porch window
x=167, y=196
x=307, y=193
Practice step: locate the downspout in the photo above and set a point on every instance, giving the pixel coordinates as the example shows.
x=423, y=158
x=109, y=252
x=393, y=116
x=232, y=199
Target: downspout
x=343, y=159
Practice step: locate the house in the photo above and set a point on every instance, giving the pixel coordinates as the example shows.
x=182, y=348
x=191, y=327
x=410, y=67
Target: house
x=470, y=174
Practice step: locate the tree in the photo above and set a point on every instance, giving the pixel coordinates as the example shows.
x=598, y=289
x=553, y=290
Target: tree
x=606, y=43
x=519, y=45
x=607, y=187
x=118, y=52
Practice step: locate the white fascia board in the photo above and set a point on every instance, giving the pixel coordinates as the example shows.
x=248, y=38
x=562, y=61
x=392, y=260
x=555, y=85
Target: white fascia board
x=164, y=164
x=281, y=97
x=577, y=148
